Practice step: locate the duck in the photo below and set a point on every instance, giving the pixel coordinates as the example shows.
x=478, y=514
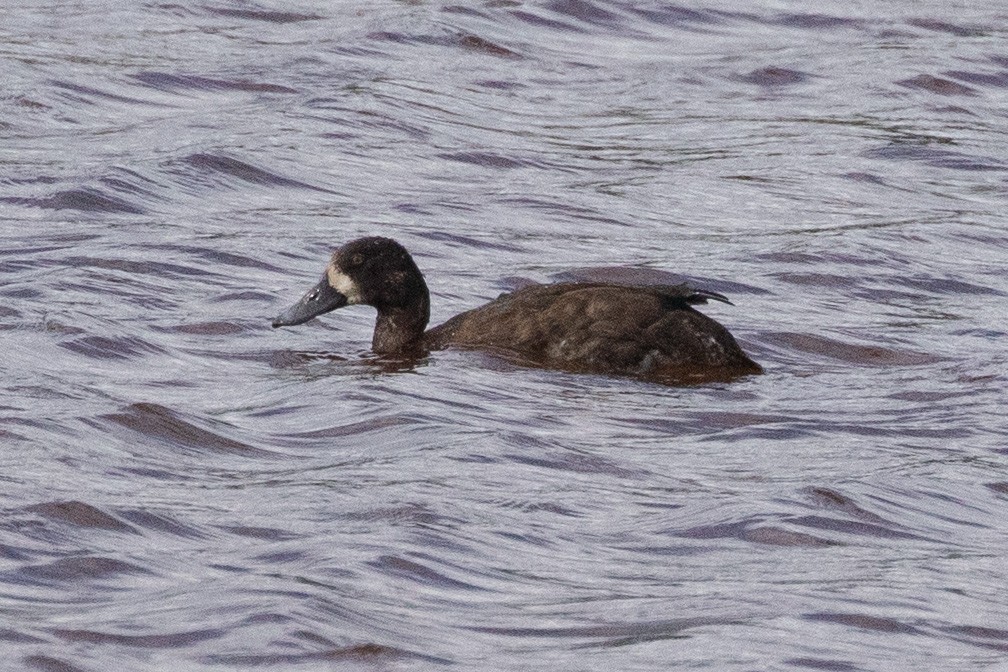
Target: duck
x=649, y=332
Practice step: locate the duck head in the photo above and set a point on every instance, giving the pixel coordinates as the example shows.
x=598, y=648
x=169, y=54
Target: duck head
x=377, y=272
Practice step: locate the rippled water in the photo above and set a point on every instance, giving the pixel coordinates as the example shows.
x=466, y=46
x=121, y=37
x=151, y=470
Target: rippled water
x=185, y=488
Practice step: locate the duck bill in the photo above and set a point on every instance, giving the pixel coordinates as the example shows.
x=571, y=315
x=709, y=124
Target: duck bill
x=320, y=299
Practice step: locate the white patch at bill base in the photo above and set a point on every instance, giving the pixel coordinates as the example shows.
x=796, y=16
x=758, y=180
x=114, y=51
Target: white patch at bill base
x=343, y=284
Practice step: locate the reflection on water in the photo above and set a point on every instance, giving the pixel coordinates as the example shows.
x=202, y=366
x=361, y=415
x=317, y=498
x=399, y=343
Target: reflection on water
x=185, y=487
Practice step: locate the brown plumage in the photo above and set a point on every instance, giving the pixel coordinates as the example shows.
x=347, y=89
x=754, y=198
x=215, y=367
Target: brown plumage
x=649, y=332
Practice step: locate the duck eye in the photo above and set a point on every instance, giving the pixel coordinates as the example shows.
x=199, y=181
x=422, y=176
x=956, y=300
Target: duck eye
x=357, y=259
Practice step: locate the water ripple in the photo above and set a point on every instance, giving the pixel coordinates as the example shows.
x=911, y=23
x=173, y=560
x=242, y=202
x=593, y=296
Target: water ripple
x=172, y=172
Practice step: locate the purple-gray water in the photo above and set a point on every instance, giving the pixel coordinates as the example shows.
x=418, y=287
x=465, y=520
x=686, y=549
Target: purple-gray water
x=184, y=488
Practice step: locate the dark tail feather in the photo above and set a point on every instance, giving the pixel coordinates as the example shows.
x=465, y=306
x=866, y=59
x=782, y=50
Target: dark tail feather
x=699, y=296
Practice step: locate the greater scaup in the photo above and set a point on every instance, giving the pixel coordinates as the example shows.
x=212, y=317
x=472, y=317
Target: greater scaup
x=649, y=332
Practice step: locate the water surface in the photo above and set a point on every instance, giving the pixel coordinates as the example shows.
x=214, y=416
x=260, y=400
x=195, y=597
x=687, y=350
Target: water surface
x=185, y=488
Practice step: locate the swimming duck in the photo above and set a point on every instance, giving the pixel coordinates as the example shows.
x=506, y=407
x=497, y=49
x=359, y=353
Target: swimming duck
x=649, y=332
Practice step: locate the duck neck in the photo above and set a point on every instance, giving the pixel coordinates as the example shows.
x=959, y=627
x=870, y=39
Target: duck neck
x=399, y=330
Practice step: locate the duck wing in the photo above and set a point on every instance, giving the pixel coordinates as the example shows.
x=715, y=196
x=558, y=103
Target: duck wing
x=604, y=328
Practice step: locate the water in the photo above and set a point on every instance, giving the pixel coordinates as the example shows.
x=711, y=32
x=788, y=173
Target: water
x=185, y=488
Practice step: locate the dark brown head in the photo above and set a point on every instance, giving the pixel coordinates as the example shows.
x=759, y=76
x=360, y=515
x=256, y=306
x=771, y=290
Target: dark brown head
x=376, y=272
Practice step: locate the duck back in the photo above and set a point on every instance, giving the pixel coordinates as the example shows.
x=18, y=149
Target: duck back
x=647, y=332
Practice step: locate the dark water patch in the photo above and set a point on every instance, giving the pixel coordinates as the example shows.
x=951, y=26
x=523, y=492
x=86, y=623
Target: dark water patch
x=244, y=295
x=21, y=292
x=8, y=635
x=166, y=81
x=226, y=328
x=711, y=426
x=457, y=240
x=13, y=267
x=925, y=396
x=416, y=572
x=864, y=178
x=486, y=160
x=706, y=420
x=934, y=156
x=334, y=363
x=498, y=85
x=539, y=21
x=889, y=260
x=390, y=36
x=31, y=104
x=898, y=430
x=78, y=568
x=1000, y=487
x=414, y=209
x=9, y=435
x=49, y=243
x=829, y=665
x=678, y=16
x=585, y=11
x=87, y=94
x=828, y=498
x=217, y=164
x=998, y=80
x=482, y=45
x=265, y=15
x=673, y=551
x=939, y=85
x=613, y=634
x=620, y=275
x=563, y=209
x=412, y=514
x=262, y=533
x=163, y=475
x=368, y=654
x=827, y=280
x=12, y=553
x=466, y=41
x=949, y=286
x=773, y=76
x=79, y=514
x=159, y=269
x=112, y=347
x=946, y=27
x=755, y=531
x=129, y=185
x=955, y=109
x=86, y=199
x=979, y=635
x=28, y=179
x=49, y=664
x=218, y=257
x=572, y=462
x=856, y=528
x=811, y=21
x=790, y=257
x=545, y=507
x=852, y=353
x=865, y=622
x=460, y=10
x=376, y=424
x=175, y=10
x=174, y=640
x=169, y=428
x=158, y=522
x=777, y=536
x=366, y=121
